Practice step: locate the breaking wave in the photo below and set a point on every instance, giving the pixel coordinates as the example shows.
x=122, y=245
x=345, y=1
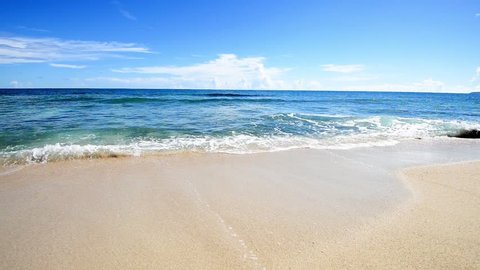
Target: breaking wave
x=335, y=132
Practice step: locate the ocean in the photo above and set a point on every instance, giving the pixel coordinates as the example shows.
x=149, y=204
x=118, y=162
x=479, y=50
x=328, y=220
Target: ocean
x=41, y=125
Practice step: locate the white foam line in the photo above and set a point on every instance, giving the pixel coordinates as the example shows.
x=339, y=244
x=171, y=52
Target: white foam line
x=291, y=115
x=248, y=254
x=371, y=132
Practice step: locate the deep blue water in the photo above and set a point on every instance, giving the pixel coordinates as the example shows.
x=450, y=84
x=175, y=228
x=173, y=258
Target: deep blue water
x=45, y=124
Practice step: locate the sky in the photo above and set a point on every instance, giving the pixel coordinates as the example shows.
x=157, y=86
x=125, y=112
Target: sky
x=383, y=45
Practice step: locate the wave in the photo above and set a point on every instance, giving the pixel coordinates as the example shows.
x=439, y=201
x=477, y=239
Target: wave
x=203, y=98
x=132, y=100
x=233, y=100
x=289, y=131
x=239, y=144
x=393, y=127
x=217, y=98
x=229, y=95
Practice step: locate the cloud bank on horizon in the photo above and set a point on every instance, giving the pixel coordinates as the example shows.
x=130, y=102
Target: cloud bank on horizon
x=211, y=45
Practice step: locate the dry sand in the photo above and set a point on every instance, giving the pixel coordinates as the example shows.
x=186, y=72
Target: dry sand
x=299, y=209
x=439, y=228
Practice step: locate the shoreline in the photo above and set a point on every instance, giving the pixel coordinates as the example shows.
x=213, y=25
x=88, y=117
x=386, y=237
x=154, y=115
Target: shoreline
x=68, y=152
x=297, y=208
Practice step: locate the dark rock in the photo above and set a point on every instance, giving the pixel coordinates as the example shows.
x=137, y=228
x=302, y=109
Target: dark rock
x=467, y=134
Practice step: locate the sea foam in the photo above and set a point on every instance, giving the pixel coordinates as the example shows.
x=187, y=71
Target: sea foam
x=52, y=124
x=368, y=132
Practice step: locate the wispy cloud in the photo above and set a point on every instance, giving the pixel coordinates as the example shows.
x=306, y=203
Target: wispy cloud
x=67, y=66
x=38, y=50
x=343, y=68
x=477, y=14
x=32, y=29
x=125, y=13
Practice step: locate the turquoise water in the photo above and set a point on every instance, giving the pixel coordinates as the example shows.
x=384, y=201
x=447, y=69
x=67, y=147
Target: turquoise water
x=42, y=125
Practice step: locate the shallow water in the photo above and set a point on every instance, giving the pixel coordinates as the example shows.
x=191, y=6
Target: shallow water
x=44, y=124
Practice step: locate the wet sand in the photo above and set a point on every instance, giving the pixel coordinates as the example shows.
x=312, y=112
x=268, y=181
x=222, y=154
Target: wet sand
x=293, y=209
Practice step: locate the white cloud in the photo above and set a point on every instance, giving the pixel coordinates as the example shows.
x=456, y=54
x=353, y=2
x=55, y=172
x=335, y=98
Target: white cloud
x=342, y=68
x=477, y=14
x=475, y=81
x=225, y=72
x=228, y=71
x=354, y=78
x=19, y=84
x=14, y=84
x=37, y=50
x=67, y=66
x=169, y=83
x=476, y=76
x=428, y=85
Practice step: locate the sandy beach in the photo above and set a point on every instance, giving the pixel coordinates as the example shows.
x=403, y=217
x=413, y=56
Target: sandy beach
x=301, y=209
x=239, y=135
x=437, y=229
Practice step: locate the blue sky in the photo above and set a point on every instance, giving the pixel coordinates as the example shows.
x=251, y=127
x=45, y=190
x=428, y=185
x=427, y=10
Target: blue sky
x=233, y=44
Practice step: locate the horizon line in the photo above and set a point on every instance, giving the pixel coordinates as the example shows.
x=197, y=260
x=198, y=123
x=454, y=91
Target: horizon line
x=208, y=89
